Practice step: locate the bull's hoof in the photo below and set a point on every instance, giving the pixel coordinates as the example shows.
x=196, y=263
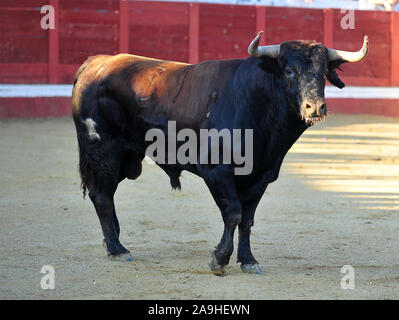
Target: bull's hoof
x=216, y=269
x=252, y=268
x=123, y=257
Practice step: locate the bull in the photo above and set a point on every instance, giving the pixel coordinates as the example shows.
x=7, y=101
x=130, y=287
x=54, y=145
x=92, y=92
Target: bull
x=278, y=92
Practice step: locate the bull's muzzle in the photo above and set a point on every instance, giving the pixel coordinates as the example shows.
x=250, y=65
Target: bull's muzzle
x=313, y=110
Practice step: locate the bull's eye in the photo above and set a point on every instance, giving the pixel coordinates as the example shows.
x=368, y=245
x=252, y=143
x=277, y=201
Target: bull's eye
x=288, y=72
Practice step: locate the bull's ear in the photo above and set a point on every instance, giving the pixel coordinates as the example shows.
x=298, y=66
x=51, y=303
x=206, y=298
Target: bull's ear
x=332, y=74
x=270, y=65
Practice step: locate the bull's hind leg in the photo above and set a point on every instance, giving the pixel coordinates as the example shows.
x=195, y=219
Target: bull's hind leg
x=105, y=174
x=117, y=227
x=102, y=195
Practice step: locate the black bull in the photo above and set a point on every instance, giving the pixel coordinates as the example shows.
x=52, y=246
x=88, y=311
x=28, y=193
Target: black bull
x=278, y=92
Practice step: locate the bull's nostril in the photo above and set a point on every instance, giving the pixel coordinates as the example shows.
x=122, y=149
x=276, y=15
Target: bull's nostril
x=323, y=108
x=308, y=106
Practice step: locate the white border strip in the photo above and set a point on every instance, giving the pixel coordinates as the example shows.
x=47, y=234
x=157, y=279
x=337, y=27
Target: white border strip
x=65, y=90
x=363, y=92
x=35, y=90
x=315, y=4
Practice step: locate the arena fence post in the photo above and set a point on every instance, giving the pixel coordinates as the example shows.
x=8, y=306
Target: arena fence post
x=328, y=31
x=261, y=23
x=123, y=26
x=54, y=46
x=193, y=33
x=394, y=48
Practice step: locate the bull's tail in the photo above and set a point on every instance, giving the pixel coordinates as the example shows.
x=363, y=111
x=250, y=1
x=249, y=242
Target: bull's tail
x=84, y=165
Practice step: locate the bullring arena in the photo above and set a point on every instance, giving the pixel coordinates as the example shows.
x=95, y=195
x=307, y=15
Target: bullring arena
x=334, y=204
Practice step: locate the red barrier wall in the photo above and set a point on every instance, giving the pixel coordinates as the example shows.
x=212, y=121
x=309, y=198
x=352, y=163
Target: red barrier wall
x=39, y=107
x=182, y=32
x=188, y=32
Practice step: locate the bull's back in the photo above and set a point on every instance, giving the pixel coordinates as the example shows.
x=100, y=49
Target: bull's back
x=150, y=89
x=129, y=78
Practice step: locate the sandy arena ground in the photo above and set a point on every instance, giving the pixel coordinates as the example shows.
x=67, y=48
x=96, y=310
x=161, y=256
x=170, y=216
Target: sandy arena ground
x=336, y=203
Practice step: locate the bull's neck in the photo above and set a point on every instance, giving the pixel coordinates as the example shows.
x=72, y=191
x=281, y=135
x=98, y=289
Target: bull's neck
x=266, y=98
x=265, y=108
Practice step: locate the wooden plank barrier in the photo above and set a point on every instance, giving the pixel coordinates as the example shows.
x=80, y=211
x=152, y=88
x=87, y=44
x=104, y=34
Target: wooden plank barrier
x=180, y=31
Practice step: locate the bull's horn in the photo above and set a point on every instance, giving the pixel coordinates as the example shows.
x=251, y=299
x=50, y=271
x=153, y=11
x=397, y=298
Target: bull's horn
x=350, y=56
x=255, y=51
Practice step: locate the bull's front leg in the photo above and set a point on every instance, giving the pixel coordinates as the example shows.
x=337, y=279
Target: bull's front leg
x=220, y=182
x=244, y=255
x=250, y=200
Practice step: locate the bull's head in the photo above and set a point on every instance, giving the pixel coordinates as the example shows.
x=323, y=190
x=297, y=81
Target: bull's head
x=303, y=67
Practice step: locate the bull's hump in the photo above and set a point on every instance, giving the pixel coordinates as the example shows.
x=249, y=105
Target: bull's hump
x=142, y=58
x=122, y=60
x=102, y=66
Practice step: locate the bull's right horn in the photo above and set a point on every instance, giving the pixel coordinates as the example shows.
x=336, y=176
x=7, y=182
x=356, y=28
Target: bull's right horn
x=255, y=51
x=350, y=56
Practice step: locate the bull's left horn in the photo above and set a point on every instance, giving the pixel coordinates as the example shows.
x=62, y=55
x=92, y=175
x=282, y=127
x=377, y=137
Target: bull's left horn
x=350, y=56
x=255, y=51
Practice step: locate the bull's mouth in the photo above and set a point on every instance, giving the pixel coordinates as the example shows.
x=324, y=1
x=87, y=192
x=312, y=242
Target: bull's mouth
x=314, y=119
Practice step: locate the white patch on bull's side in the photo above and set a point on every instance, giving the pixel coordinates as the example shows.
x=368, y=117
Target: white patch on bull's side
x=91, y=128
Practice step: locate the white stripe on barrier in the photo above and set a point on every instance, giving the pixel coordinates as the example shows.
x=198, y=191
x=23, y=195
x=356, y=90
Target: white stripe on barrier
x=363, y=92
x=35, y=90
x=65, y=90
